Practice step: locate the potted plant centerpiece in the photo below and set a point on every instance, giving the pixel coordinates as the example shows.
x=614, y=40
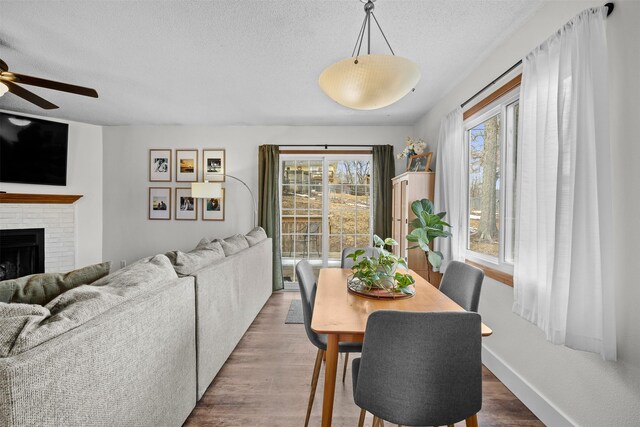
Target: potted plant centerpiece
x=426, y=227
x=376, y=276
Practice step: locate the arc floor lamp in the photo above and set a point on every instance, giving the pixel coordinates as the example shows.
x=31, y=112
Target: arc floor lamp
x=213, y=190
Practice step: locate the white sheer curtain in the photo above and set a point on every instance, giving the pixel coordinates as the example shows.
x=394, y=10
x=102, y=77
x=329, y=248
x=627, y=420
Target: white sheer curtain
x=450, y=193
x=563, y=280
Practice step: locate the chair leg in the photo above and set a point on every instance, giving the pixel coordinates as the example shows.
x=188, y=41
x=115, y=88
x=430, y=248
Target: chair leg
x=346, y=362
x=361, y=419
x=472, y=421
x=375, y=421
x=314, y=384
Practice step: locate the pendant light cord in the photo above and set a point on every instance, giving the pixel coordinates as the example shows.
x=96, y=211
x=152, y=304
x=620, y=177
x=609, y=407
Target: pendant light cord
x=366, y=26
x=359, y=39
x=385, y=37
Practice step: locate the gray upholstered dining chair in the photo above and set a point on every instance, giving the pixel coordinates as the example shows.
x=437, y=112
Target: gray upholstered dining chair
x=307, y=284
x=348, y=262
x=420, y=369
x=462, y=283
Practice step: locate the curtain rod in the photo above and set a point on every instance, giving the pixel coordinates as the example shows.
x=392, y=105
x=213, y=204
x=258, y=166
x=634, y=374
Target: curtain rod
x=326, y=146
x=609, y=7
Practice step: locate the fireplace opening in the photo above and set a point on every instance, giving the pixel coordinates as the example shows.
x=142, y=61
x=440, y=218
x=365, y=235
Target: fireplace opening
x=21, y=252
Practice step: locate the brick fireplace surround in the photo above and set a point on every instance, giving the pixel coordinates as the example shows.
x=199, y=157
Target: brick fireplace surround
x=58, y=221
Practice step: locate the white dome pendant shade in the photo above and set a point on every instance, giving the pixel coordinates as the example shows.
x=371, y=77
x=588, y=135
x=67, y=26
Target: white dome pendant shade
x=369, y=82
x=375, y=81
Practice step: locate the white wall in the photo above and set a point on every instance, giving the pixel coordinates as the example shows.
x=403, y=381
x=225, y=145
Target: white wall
x=578, y=387
x=129, y=235
x=84, y=176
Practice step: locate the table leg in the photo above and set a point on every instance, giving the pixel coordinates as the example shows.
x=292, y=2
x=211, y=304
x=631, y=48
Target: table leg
x=329, y=379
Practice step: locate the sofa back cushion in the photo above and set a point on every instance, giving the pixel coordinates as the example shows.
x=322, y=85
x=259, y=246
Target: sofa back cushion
x=256, y=236
x=42, y=288
x=187, y=263
x=234, y=244
x=23, y=327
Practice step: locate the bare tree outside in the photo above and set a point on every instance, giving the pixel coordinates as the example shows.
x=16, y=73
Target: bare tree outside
x=484, y=183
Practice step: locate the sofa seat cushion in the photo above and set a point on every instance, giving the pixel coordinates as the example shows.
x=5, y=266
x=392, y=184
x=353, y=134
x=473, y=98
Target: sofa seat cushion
x=26, y=326
x=42, y=288
x=256, y=236
x=233, y=244
x=187, y=263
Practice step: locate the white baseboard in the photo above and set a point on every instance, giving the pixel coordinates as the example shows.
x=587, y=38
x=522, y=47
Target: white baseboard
x=532, y=399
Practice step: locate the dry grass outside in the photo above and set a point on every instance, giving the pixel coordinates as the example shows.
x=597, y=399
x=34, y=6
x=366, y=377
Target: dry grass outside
x=302, y=227
x=348, y=213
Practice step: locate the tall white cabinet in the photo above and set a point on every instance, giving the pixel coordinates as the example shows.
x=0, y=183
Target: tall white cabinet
x=408, y=187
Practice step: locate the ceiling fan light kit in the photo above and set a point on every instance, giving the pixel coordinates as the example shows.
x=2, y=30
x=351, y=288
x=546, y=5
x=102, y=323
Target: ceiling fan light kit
x=369, y=82
x=10, y=82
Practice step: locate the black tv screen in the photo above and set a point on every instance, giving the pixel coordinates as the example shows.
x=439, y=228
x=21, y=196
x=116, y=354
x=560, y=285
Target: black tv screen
x=33, y=151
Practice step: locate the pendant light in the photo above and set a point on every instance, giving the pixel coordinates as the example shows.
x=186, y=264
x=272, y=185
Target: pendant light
x=369, y=82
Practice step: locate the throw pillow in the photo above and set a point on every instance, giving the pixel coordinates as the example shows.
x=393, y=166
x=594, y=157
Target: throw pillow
x=42, y=288
x=203, y=242
x=234, y=244
x=256, y=236
x=187, y=263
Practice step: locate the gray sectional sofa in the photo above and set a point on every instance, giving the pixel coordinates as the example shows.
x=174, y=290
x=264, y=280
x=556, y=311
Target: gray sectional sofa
x=229, y=296
x=137, y=348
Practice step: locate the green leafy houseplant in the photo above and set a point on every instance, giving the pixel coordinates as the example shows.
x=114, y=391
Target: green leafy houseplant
x=426, y=227
x=380, y=271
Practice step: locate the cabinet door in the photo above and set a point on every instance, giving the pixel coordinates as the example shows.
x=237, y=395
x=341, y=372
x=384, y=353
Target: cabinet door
x=396, y=217
x=404, y=219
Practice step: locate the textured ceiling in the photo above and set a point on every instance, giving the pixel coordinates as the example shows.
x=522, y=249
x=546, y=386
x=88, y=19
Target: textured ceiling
x=237, y=62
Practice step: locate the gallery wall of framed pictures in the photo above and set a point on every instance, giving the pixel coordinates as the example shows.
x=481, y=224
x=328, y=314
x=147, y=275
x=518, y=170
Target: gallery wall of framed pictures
x=165, y=200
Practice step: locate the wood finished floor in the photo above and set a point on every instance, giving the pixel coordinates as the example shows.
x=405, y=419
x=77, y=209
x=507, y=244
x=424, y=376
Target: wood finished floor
x=266, y=382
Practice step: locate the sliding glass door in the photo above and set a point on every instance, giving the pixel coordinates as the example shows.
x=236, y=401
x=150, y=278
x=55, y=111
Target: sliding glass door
x=326, y=206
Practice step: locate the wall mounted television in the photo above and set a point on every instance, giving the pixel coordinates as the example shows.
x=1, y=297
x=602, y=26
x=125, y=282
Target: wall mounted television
x=33, y=151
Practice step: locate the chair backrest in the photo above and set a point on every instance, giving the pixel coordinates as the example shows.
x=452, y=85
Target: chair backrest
x=462, y=283
x=421, y=368
x=348, y=262
x=307, y=284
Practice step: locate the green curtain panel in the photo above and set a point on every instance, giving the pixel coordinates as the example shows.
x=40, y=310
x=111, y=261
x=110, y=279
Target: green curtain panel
x=384, y=170
x=269, y=204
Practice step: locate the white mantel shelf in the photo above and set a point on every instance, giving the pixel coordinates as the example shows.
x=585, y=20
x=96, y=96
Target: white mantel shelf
x=39, y=198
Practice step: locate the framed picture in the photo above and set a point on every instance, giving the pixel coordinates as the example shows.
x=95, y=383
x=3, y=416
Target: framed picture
x=420, y=163
x=213, y=209
x=159, y=203
x=213, y=165
x=186, y=166
x=186, y=206
x=160, y=165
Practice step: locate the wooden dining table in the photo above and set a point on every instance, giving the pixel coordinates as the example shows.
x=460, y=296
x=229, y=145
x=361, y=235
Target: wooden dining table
x=342, y=316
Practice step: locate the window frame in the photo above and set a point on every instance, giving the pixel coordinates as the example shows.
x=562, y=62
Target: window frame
x=498, y=106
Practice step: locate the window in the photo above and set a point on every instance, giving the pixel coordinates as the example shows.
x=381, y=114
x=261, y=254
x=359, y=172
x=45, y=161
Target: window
x=491, y=141
x=326, y=207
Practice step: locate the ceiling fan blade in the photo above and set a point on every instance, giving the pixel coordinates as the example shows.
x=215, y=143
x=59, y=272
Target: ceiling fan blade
x=50, y=84
x=29, y=96
x=3, y=66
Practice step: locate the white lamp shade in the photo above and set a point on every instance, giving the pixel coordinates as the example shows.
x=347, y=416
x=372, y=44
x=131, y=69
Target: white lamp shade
x=374, y=82
x=206, y=190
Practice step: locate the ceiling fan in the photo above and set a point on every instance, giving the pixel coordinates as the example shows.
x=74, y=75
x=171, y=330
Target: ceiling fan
x=10, y=82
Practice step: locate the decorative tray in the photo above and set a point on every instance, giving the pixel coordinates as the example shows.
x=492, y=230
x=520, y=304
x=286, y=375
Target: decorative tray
x=356, y=288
